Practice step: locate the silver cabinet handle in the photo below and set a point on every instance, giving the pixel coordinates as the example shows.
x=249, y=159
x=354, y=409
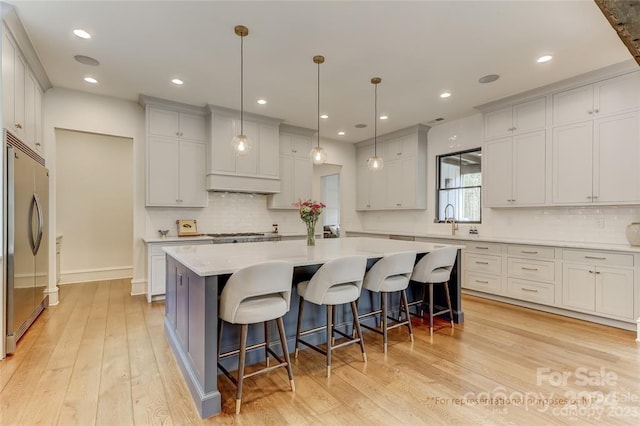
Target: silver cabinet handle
x=482, y=263
x=529, y=290
x=18, y=126
x=528, y=252
x=482, y=248
x=590, y=112
x=597, y=110
x=482, y=282
x=595, y=257
x=529, y=269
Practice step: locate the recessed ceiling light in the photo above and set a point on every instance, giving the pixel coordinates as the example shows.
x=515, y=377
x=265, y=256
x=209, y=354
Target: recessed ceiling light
x=360, y=126
x=445, y=95
x=324, y=116
x=543, y=59
x=86, y=60
x=82, y=34
x=489, y=78
x=384, y=117
x=91, y=80
x=262, y=101
x=177, y=81
x=340, y=133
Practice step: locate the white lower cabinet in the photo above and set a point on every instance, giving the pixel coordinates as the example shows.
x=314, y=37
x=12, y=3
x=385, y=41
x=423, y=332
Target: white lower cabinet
x=482, y=267
x=598, y=285
x=156, y=266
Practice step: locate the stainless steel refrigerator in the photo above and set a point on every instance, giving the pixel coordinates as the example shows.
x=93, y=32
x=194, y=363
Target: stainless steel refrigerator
x=26, y=237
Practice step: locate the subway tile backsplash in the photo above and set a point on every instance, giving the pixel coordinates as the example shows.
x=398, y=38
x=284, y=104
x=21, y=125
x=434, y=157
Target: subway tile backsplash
x=227, y=212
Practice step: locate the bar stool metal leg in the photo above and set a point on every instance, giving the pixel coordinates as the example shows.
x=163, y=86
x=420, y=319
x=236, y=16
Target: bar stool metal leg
x=285, y=351
x=266, y=343
x=383, y=304
x=241, y=362
x=354, y=310
x=446, y=290
x=430, y=309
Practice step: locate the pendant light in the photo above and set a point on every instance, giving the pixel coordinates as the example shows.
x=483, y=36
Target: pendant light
x=240, y=142
x=318, y=154
x=375, y=163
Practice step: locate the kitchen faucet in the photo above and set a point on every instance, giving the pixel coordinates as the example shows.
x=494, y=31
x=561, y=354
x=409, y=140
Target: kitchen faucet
x=452, y=219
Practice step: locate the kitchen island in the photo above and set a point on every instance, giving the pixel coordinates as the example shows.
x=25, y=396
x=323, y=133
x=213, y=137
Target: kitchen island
x=196, y=275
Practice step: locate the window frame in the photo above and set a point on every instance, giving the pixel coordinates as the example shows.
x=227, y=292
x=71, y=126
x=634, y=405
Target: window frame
x=439, y=181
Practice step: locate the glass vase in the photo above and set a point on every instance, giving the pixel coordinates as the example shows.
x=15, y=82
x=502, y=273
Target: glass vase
x=311, y=233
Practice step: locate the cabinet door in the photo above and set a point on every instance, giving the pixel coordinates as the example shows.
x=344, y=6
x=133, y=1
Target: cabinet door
x=573, y=105
x=222, y=132
x=193, y=127
x=572, y=164
x=498, y=123
x=30, y=85
x=163, y=122
x=617, y=95
x=8, y=82
x=19, y=74
x=172, y=286
x=269, y=147
x=378, y=189
x=162, y=167
x=302, y=176
x=38, y=124
x=614, y=292
x=529, y=116
x=616, y=158
x=158, y=272
x=497, y=157
x=284, y=199
x=362, y=189
x=192, y=189
x=301, y=146
x=529, y=169
x=182, y=306
x=578, y=287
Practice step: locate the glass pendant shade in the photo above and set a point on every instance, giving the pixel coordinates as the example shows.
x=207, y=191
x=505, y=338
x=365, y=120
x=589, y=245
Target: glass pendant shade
x=318, y=155
x=241, y=144
x=375, y=163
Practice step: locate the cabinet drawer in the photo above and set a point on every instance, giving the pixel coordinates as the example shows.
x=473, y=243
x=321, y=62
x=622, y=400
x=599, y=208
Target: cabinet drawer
x=481, y=282
x=531, y=290
x=532, y=252
x=491, y=248
x=598, y=257
x=483, y=263
x=538, y=270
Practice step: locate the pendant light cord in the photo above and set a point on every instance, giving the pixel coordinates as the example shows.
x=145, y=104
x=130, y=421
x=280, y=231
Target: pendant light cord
x=318, y=104
x=242, y=85
x=375, y=123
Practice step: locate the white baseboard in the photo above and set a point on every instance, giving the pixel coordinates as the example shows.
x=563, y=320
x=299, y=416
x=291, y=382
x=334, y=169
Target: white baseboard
x=138, y=286
x=87, y=275
x=53, y=296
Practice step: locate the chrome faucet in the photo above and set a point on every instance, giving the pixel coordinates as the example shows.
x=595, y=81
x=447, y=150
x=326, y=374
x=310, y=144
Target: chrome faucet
x=451, y=219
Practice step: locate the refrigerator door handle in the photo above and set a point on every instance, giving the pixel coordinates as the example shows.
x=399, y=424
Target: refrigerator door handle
x=35, y=242
x=40, y=224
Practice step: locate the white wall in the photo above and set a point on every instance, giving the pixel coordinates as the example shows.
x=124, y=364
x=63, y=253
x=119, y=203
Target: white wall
x=72, y=110
x=579, y=224
x=94, y=208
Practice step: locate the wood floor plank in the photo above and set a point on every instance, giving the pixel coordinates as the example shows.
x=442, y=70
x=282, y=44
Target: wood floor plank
x=101, y=357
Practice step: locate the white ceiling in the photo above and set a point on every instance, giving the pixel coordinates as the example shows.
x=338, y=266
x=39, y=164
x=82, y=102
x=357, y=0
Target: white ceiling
x=419, y=48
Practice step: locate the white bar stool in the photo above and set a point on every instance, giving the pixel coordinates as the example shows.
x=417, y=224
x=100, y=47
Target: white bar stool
x=338, y=281
x=387, y=275
x=435, y=268
x=258, y=293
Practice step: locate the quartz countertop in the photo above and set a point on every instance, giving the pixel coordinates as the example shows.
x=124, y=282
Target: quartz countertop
x=217, y=259
x=528, y=241
x=174, y=239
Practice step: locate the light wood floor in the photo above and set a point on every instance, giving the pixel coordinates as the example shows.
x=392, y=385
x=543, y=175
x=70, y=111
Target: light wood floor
x=100, y=357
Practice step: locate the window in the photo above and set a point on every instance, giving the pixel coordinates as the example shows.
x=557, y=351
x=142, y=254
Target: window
x=459, y=186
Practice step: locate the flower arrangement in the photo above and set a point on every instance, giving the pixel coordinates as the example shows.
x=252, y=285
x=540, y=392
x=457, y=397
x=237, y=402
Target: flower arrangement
x=310, y=211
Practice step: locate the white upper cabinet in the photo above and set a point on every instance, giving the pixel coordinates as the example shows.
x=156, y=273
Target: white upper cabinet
x=611, y=96
x=257, y=171
x=296, y=168
x=514, y=170
x=573, y=164
x=176, y=158
x=21, y=96
x=519, y=118
x=401, y=184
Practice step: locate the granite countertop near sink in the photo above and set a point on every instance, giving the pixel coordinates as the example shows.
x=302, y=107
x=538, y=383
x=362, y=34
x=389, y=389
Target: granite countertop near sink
x=567, y=244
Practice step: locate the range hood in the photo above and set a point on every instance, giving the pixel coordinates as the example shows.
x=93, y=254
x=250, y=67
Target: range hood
x=248, y=184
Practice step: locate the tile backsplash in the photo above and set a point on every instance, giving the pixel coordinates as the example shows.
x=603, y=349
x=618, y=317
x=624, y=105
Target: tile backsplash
x=227, y=212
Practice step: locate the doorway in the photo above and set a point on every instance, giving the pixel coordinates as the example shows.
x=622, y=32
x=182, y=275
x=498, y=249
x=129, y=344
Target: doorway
x=328, y=176
x=94, y=206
